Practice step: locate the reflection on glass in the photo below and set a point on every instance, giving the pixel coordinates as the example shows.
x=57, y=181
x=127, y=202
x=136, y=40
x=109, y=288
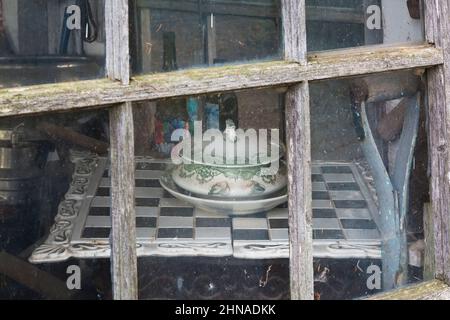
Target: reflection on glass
x=369, y=183
x=49, y=41
x=193, y=33
x=47, y=166
x=351, y=23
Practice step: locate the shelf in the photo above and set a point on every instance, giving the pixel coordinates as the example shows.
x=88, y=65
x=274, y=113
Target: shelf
x=343, y=208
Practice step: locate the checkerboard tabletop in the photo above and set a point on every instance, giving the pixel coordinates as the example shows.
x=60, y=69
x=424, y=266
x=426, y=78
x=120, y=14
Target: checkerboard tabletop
x=343, y=219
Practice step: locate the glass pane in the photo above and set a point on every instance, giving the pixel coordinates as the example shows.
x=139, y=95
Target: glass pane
x=352, y=23
x=181, y=34
x=45, y=41
x=214, y=224
x=49, y=169
x=370, y=184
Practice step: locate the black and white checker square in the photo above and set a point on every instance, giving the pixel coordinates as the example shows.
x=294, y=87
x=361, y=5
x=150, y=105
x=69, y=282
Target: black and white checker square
x=160, y=218
x=170, y=220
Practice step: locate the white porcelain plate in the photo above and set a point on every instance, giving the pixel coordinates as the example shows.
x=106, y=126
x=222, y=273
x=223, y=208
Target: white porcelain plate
x=229, y=207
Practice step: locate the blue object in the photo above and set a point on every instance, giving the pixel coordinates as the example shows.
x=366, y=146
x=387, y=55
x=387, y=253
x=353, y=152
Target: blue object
x=212, y=116
x=192, y=110
x=65, y=34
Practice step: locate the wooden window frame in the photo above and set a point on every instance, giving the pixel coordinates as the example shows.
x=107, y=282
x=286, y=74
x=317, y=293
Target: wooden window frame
x=295, y=72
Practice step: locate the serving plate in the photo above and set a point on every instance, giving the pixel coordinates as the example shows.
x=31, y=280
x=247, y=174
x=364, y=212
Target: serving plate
x=230, y=207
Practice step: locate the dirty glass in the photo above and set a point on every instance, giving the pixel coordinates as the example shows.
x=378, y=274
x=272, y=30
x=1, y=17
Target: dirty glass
x=212, y=228
x=49, y=167
x=171, y=35
x=352, y=23
x=370, y=185
x=46, y=41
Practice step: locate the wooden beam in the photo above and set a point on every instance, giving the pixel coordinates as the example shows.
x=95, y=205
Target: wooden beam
x=320, y=66
x=300, y=192
x=429, y=269
x=299, y=156
x=123, y=216
x=72, y=137
x=117, y=40
x=432, y=290
x=294, y=31
x=34, y=278
x=257, y=10
x=123, y=237
x=385, y=87
x=391, y=125
x=437, y=27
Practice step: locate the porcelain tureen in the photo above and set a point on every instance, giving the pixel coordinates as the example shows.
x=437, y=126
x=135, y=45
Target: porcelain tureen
x=249, y=173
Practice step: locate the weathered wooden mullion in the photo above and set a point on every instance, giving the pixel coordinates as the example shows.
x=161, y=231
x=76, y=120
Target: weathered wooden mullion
x=299, y=156
x=123, y=234
x=117, y=40
x=294, y=30
x=437, y=27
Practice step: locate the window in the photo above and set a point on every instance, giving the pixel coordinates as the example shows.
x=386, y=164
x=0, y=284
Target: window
x=172, y=35
x=358, y=130
x=51, y=41
x=188, y=216
x=343, y=24
x=370, y=185
x=47, y=182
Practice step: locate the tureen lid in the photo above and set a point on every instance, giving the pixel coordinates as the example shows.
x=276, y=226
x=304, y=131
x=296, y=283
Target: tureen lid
x=233, y=149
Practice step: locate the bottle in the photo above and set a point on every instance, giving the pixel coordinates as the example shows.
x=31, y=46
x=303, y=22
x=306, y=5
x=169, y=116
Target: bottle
x=212, y=111
x=170, y=52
